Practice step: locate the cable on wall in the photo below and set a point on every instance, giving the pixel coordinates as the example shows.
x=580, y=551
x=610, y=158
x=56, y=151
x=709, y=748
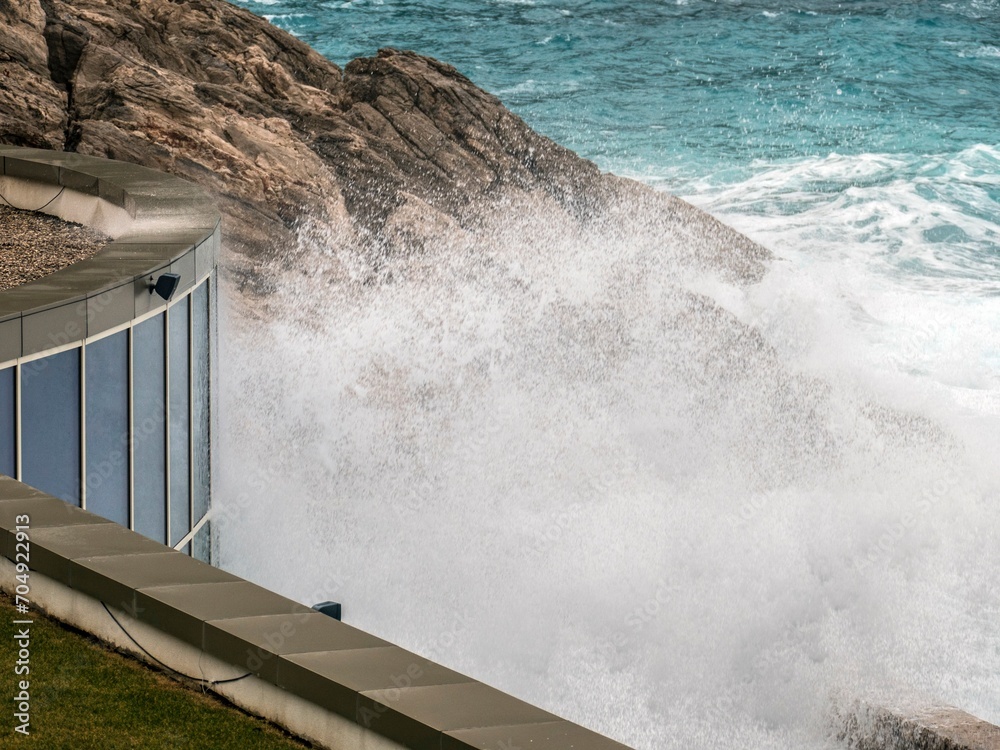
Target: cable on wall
x=166, y=667
x=4, y=199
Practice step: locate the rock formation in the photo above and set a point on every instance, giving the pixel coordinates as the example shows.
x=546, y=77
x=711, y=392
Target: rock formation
x=391, y=153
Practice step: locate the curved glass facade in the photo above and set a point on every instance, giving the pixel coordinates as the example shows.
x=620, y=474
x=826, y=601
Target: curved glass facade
x=106, y=386
x=119, y=424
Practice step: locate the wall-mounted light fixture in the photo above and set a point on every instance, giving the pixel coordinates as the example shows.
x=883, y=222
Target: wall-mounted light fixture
x=165, y=286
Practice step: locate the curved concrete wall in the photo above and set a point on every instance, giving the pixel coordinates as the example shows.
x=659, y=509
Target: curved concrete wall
x=322, y=679
x=158, y=224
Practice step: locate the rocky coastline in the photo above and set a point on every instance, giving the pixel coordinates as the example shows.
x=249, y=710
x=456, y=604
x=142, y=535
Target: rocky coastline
x=389, y=155
x=397, y=155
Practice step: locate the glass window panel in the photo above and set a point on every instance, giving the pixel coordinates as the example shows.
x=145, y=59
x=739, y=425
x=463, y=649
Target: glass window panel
x=202, y=397
x=8, y=423
x=107, y=427
x=149, y=429
x=50, y=424
x=180, y=423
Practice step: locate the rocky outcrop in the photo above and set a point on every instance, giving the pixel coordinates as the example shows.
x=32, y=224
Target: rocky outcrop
x=32, y=105
x=914, y=727
x=391, y=153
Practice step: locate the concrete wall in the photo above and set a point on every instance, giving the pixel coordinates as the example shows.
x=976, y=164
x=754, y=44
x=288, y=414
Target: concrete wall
x=319, y=678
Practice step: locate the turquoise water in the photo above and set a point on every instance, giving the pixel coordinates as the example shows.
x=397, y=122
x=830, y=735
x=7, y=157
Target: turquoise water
x=698, y=97
x=859, y=140
x=473, y=487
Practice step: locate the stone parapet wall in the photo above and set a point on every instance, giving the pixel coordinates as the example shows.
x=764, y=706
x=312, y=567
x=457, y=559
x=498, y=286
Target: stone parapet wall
x=322, y=679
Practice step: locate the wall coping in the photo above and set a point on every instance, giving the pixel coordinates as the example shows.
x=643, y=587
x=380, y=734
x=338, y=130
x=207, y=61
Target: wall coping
x=158, y=223
x=373, y=684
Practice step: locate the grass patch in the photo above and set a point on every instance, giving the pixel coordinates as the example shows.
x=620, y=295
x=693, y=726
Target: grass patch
x=84, y=695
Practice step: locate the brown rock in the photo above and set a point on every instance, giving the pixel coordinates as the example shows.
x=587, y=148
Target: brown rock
x=32, y=105
x=395, y=152
x=913, y=727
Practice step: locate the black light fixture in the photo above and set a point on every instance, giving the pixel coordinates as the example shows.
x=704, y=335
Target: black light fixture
x=166, y=285
x=331, y=609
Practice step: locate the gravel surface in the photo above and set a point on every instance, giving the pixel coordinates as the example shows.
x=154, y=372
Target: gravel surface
x=33, y=245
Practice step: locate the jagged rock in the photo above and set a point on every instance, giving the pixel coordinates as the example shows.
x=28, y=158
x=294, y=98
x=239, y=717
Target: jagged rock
x=32, y=105
x=860, y=726
x=391, y=154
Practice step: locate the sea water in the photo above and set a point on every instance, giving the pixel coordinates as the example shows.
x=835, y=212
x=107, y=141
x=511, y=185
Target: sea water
x=546, y=505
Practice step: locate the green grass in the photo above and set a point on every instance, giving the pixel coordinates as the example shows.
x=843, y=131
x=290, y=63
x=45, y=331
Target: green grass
x=84, y=695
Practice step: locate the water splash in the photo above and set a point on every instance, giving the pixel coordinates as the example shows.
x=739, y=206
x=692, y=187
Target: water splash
x=678, y=512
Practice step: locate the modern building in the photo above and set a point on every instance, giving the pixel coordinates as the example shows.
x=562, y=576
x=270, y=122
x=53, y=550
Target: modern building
x=105, y=384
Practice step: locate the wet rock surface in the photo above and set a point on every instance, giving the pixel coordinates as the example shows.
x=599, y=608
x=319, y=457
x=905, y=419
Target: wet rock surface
x=868, y=727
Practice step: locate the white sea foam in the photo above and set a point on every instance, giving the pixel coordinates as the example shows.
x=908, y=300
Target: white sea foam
x=909, y=243
x=533, y=462
x=539, y=464
x=534, y=88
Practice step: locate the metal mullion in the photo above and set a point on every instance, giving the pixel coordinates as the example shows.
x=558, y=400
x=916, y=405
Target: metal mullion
x=17, y=423
x=166, y=414
x=131, y=429
x=190, y=431
x=213, y=357
x=83, y=426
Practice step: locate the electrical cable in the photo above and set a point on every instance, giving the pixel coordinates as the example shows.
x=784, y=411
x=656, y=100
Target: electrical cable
x=4, y=199
x=170, y=669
